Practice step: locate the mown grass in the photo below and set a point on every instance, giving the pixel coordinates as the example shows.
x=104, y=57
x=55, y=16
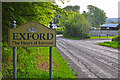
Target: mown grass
x=102, y=37
x=113, y=44
x=91, y=37
x=33, y=62
x=74, y=38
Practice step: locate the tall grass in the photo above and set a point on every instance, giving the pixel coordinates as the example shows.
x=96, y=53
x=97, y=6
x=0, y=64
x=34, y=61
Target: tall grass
x=33, y=62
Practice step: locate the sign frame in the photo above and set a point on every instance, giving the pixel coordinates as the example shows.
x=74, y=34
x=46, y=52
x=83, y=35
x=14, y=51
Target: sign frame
x=39, y=26
x=15, y=54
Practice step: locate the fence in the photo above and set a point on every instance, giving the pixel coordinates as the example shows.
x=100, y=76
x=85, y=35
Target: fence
x=104, y=32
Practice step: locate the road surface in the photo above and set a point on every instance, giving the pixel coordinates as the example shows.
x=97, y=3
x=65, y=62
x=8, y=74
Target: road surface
x=89, y=59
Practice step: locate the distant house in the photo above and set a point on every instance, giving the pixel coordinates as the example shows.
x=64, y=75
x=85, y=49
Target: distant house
x=110, y=27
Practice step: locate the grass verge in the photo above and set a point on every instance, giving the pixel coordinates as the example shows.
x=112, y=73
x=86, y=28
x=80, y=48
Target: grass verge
x=75, y=38
x=113, y=44
x=102, y=37
x=33, y=62
x=92, y=37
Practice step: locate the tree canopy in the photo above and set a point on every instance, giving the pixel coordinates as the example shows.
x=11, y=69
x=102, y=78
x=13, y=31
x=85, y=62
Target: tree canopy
x=95, y=15
x=72, y=8
x=22, y=12
x=76, y=26
x=69, y=10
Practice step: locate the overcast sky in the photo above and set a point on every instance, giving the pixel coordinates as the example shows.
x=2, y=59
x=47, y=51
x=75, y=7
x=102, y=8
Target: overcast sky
x=110, y=7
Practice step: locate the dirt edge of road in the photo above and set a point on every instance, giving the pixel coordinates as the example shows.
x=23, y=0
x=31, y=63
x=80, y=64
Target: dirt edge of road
x=74, y=67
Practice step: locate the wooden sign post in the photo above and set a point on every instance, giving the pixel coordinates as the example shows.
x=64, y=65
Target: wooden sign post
x=31, y=34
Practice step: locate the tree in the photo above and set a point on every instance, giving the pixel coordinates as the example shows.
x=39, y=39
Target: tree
x=64, y=17
x=70, y=11
x=76, y=26
x=72, y=8
x=95, y=16
x=56, y=19
x=22, y=12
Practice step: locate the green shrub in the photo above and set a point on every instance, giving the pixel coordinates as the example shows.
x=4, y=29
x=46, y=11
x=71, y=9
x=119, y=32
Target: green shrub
x=116, y=38
x=59, y=29
x=59, y=32
x=77, y=27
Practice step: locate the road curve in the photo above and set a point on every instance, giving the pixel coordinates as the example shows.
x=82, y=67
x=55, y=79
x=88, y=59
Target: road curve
x=88, y=58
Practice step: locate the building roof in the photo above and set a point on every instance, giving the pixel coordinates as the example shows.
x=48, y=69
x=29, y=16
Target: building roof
x=109, y=25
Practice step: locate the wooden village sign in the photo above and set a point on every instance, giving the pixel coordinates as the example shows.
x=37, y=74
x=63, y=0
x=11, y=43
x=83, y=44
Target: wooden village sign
x=31, y=34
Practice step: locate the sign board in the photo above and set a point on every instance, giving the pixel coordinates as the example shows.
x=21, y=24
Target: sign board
x=32, y=34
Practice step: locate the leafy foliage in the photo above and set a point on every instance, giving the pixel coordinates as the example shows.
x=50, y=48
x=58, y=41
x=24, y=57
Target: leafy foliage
x=28, y=60
x=76, y=26
x=72, y=8
x=69, y=10
x=116, y=38
x=22, y=12
x=95, y=15
x=60, y=30
x=65, y=17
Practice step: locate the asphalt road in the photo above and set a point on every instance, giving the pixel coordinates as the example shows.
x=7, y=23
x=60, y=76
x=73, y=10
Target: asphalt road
x=88, y=59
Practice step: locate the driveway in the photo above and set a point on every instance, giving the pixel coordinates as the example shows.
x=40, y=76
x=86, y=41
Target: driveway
x=89, y=59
